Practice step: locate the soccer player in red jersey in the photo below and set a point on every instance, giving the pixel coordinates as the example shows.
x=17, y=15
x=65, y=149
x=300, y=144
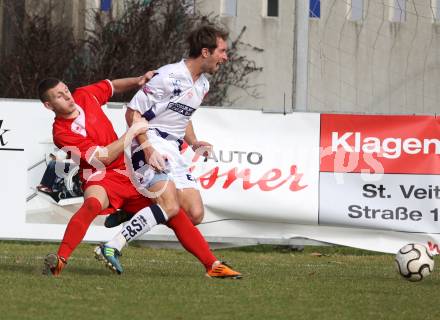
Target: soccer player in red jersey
x=81, y=128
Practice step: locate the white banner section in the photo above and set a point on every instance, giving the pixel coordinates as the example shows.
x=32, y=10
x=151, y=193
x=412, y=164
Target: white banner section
x=264, y=166
x=264, y=183
x=390, y=202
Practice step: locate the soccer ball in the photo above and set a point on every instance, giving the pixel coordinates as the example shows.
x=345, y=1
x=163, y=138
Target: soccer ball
x=414, y=262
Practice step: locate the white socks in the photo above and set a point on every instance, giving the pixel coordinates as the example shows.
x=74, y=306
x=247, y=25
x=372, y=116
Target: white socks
x=142, y=222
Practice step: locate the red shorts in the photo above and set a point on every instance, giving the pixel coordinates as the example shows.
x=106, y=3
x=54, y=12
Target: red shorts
x=121, y=193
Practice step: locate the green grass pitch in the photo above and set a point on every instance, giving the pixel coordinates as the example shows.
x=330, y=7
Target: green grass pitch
x=342, y=283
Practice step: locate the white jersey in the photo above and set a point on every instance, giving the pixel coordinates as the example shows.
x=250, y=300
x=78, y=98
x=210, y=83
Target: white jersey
x=177, y=168
x=170, y=98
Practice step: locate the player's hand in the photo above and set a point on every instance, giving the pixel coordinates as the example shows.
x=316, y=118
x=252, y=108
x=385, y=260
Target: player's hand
x=146, y=77
x=202, y=148
x=156, y=160
x=139, y=126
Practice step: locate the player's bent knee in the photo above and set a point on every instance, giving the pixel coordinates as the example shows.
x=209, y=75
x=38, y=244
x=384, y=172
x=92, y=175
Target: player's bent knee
x=196, y=215
x=171, y=209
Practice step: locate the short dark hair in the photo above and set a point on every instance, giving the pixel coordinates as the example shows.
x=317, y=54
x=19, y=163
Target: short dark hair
x=46, y=85
x=204, y=36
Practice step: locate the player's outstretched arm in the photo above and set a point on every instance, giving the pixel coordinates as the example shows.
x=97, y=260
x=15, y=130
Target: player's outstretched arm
x=127, y=84
x=111, y=152
x=201, y=147
x=190, y=135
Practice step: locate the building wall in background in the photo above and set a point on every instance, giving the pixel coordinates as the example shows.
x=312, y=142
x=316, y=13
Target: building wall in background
x=274, y=34
x=365, y=56
x=375, y=57
x=372, y=56
x=69, y=13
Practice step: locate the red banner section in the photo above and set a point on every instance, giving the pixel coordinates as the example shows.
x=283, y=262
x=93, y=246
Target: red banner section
x=380, y=144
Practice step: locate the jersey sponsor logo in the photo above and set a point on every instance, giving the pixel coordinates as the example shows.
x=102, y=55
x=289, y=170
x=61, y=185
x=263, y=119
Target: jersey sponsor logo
x=181, y=108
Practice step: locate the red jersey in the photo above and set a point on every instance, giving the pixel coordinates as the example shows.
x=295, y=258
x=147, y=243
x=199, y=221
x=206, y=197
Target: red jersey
x=91, y=129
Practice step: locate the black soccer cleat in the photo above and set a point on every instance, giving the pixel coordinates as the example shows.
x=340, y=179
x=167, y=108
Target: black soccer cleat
x=115, y=219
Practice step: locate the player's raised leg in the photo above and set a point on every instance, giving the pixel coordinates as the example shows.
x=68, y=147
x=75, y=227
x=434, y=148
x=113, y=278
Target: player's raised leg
x=165, y=207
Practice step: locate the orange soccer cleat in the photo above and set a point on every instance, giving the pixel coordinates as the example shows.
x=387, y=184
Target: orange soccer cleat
x=222, y=270
x=53, y=265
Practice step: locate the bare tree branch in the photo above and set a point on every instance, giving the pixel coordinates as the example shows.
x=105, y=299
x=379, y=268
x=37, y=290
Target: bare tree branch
x=145, y=37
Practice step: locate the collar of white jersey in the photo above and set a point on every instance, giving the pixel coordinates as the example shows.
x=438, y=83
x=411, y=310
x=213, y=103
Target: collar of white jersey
x=188, y=72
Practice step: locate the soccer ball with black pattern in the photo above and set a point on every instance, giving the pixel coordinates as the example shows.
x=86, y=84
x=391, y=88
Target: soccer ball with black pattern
x=414, y=262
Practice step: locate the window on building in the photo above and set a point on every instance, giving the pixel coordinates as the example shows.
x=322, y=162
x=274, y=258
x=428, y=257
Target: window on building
x=190, y=6
x=272, y=8
x=106, y=5
x=355, y=10
x=229, y=8
x=397, y=10
x=315, y=9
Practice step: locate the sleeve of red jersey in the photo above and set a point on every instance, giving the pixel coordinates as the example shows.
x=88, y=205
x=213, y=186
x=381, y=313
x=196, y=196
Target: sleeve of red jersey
x=102, y=91
x=80, y=147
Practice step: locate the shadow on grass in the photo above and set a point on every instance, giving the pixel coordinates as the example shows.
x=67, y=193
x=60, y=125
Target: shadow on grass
x=325, y=250
x=91, y=271
x=19, y=268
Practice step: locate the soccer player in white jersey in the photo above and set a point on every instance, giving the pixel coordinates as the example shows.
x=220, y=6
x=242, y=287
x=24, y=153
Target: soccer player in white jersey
x=167, y=102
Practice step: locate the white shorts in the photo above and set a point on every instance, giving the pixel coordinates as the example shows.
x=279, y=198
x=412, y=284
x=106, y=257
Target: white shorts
x=177, y=168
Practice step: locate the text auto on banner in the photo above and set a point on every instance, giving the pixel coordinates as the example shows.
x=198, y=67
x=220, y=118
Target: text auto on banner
x=263, y=167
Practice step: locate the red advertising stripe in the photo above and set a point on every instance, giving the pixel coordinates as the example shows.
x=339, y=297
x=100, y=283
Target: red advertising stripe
x=380, y=144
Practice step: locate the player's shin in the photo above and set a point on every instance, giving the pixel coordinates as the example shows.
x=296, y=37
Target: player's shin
x=142, y=222
x=78, y=225
x=191, y=238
